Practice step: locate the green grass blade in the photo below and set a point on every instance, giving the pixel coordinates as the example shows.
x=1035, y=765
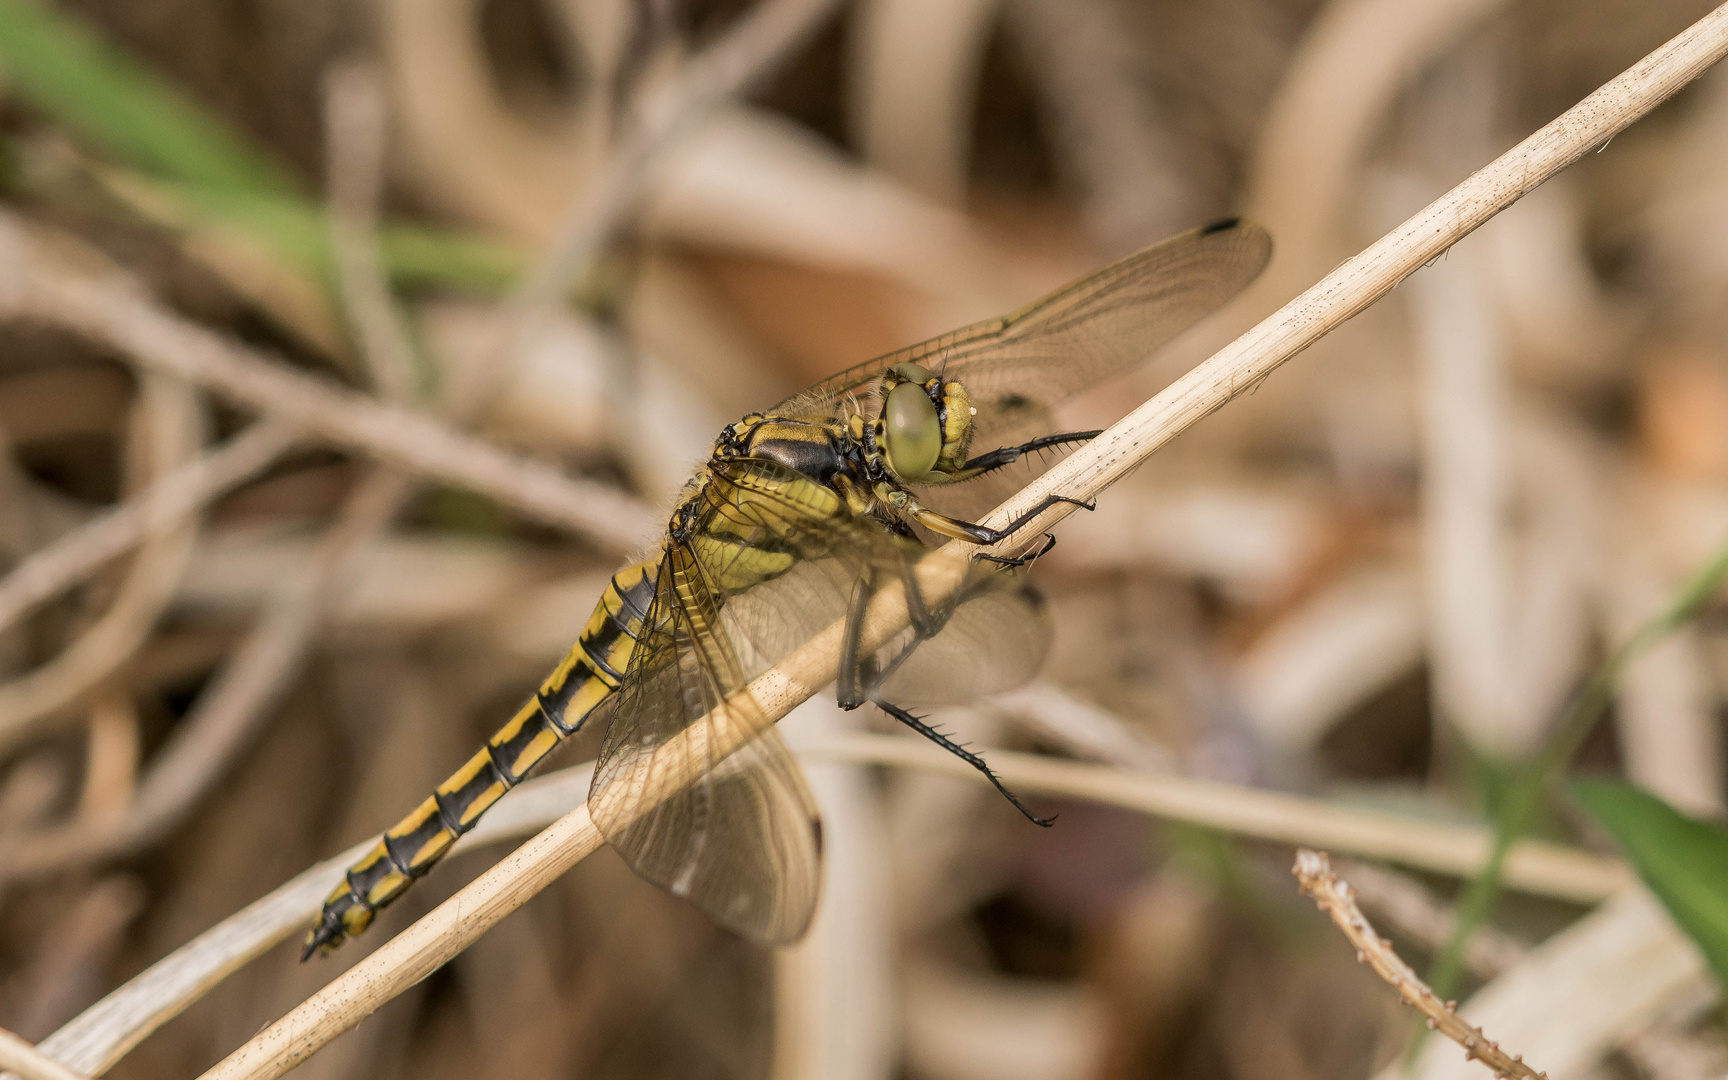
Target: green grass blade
x=1684, y=861
x=121, y=109
x=414, y=255
x=125, y=113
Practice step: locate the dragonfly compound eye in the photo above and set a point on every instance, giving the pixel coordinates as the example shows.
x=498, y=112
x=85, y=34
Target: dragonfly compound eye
x=912, y=438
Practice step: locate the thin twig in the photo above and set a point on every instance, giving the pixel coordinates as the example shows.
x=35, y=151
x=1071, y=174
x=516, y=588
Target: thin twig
x=226, y=715
x=597, y=214
x=183, y=491
x=356, y=136
x=1347, y=290
x=1541, y=869
x=1335, y=898
x=168, y=409
x=104, y=1031
x=1412, y=910
x=102, y=1034
x=720, y=72
x=18, y=1056
x=1364, y=278
x=33, y=287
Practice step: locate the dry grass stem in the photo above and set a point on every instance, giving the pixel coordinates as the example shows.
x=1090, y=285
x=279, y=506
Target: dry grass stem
x=416, y=952
x=183, y=491
x=109, y=313
x=168, y=434
x=1371, y=274
x=1239, y=366
x=103, y=1033
x=230, y=709
x=717, y=74
x=115, y=745
x=1335, y=898
x=356, y=127
x=19, y=1057
x=1542, y=869
x=1414, y=911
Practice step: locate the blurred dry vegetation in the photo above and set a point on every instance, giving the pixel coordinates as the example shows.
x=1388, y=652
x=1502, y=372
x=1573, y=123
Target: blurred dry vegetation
x=1375, y=581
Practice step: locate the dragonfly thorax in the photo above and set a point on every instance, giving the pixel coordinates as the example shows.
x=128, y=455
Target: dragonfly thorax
x=815, y=448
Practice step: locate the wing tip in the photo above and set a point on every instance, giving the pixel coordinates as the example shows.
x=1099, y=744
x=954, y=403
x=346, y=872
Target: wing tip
x=1248, y=237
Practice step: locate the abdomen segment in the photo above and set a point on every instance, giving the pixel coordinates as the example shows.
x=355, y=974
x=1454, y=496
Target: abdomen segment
x=588, y=675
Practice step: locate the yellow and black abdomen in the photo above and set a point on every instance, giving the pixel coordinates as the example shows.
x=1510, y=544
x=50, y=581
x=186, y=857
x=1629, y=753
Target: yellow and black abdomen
x=589, y=674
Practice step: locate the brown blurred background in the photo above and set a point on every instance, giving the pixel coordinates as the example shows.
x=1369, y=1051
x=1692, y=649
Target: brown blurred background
x=1374, y=580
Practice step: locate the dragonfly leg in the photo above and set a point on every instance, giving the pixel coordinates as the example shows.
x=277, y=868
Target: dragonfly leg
x=918, y=724
x=1008, y=455
x=1023, y=560
x=972, y=533
x=864, y=669
x=857, y=671
x=926, y=623
x=850, y=680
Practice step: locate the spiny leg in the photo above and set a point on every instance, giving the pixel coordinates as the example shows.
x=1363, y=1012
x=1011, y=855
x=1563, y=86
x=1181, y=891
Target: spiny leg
x=1027, y=559
x=857, y=670
x=916, y=723
x=905, y=503
x=1008, y=455
x=1024, y=519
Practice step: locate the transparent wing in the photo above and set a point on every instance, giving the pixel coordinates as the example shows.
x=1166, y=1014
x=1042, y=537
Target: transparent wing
x=1017, y=366
x=737, y=833
x=995, y=640
x=994, y=637
x=734, y=832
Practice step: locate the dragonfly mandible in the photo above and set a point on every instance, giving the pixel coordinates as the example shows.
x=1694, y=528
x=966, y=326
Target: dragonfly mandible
x=800, y=515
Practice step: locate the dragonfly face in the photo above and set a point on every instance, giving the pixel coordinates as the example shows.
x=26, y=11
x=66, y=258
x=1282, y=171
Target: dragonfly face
x=925, y=426
x=802, y=514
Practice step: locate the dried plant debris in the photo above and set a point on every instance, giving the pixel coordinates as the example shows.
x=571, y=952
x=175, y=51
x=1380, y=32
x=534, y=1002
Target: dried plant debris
x=346, y=351
x=1313, y=872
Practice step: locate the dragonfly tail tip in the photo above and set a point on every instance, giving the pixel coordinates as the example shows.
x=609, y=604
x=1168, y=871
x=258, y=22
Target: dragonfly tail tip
x=321, y=941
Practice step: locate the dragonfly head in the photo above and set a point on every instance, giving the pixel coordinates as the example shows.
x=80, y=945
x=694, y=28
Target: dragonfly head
x=926, y=422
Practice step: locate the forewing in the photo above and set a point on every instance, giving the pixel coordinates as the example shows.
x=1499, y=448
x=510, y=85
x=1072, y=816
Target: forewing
x=737, y=834
x=1017, y=366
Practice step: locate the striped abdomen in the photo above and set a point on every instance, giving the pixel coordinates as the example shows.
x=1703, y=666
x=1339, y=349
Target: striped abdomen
x=589, y=674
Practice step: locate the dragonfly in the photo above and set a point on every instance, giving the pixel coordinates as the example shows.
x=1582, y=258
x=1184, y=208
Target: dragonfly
x=802, y=515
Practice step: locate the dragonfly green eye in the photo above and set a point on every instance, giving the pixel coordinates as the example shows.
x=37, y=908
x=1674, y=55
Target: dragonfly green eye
x=913, y=437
